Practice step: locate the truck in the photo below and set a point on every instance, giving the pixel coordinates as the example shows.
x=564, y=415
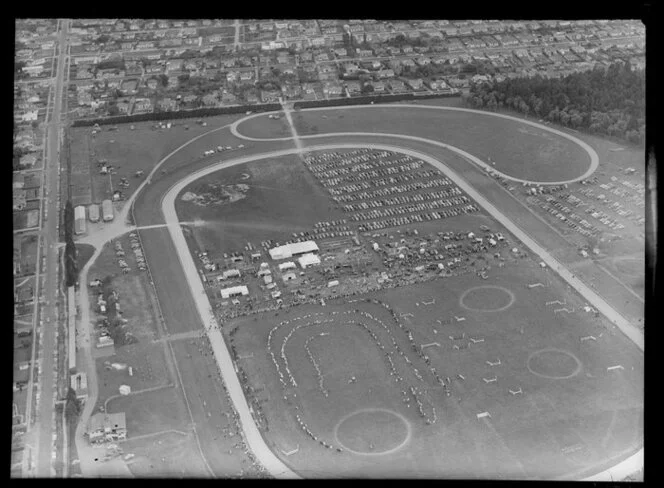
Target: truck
x=107, y=210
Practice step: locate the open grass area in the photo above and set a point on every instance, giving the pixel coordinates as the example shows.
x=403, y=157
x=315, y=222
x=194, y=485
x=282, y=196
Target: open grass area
x=554, y=427
x=83, y=253
x=151, y=412
x=282, y=198
x=128, y=151
x=167, y=455
x=517, y=149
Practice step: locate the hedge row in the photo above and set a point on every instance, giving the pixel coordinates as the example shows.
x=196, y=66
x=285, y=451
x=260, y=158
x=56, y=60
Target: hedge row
x=268, y=107
x=183, y=114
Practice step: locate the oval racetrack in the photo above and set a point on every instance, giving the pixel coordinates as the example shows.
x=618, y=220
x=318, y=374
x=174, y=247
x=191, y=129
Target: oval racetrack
x=196, y=308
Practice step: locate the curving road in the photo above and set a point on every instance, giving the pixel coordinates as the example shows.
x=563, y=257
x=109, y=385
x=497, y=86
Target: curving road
x=594, y=158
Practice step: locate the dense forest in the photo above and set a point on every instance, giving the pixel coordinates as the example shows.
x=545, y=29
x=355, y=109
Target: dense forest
x=607, y=101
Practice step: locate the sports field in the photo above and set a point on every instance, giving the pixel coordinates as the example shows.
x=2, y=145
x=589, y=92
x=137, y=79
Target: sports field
x=519, y=150
x=572, y=414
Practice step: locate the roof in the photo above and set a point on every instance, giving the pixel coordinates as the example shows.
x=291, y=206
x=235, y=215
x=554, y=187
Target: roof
x=308, y=259
x=234, y=289
x=288, y=250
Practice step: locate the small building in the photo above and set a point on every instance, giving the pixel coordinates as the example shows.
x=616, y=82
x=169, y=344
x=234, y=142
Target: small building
x=107, y=210
x=276, y=294
x=231, y=273
x=264, y=272
x=267, y=279
x=93, y=213
x=309, y=260
x=79, y=383
x=286, y=266
x=333, y=283
x=234, y=291
x=107, y=428
x=79, y=220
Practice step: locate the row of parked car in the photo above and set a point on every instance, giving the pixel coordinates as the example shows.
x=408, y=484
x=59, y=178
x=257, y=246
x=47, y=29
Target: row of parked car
x=348, y=168
x=402, y=200
x=372, y=174
x=388, y=212
x=396, y=189
x=392, y=180
x=422, y=217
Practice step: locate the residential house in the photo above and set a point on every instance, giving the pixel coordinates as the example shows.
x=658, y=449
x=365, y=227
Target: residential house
x=365, y=53
x=167, y=104
x=438, y=85
x=18, y=199
x=397, y=85
x=332, y=88
x=407, y=49
x=251, y=98
x=228, y=98
x=270, y=96
x=341, y=52
x=210, y=100
x=353, y=87
x=142, y=105
x=378, y=86
x=174, y=65
x=384, y=73
x=246, y=76
x=423, y=61
x=351, y=68
x=415, y=84
x=291, y=91
x=123, y=107
x=129, y=87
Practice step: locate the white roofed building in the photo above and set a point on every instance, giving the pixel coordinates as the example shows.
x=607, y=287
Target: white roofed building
x=295, y=249
x=309, y=260
x=287, y=265
x=234, y=291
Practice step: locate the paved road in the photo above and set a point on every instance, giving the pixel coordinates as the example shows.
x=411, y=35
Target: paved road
x=48, y=382
x=252, y=435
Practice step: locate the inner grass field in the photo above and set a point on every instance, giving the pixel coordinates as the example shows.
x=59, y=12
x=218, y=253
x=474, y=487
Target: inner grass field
x=518, y=149
x=572, y=415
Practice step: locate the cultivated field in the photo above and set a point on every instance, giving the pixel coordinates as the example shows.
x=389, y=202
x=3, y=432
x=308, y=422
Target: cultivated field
x=517, y=149
x=572, y=414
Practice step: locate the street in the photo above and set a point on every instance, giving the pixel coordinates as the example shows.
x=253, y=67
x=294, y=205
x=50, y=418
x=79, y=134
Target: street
x=39, y=442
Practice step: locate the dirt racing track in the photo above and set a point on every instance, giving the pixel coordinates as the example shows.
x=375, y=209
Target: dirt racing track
x=199, y=301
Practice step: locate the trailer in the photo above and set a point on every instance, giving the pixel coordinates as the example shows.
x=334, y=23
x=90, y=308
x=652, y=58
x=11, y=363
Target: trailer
x=93, y=213
x=107, y=210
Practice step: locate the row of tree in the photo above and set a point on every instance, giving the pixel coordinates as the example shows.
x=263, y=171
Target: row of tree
x=602, y=101
x=71, y=268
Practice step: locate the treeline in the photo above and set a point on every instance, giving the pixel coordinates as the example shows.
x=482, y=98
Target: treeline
x=369, y=99
x=71, y=270
x=602, y=101
x=182, y=114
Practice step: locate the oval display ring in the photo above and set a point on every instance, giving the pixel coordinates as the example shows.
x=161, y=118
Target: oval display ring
x=576, y=371
x=403, y=419
x=499, y=309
